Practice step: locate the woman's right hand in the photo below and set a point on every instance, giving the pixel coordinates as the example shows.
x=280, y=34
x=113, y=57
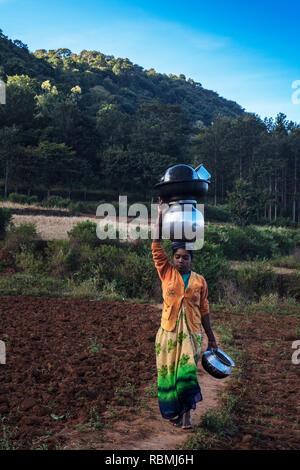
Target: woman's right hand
x=162, y=209
x=160, y=203
x=162, y=206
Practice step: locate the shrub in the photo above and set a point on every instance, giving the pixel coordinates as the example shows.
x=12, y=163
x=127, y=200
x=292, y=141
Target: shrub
x=294, y=286
x=6, y=259
x=136, y=276
x=232, y=241
x=86, y=289
x=20, y=198
x=217, y=234
x=110, y=291
x=282, y=222
x=56, y=201
x=251, y=242
x=283, y=237
x=5, y=220
x=25, y=235
x=229, y=294
x=260, y=243
x=77, y=208
x=30, y=262
x=211, y=264
x=126, y=273
x=140, y=247
x=33, y=200
x=63, y=258
x=84, y=233
x=256, y=280
x=90, y=262
x=217, y=213
x=296, y=237
x=270, y=299
x=289, y=262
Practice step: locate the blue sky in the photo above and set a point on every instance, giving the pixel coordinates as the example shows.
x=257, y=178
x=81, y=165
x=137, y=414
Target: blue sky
x=247, y=51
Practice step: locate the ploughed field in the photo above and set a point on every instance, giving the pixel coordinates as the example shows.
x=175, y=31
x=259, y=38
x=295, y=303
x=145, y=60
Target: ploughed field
x=267, y=416
x=67, y=358
x=71, y=363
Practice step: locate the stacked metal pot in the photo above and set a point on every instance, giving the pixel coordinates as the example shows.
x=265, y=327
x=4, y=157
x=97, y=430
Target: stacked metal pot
x=182, y=187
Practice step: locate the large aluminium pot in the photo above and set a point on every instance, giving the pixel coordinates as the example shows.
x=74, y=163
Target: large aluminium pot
x=183, y=221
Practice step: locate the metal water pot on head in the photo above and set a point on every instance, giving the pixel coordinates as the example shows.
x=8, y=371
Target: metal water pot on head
x=181, y=188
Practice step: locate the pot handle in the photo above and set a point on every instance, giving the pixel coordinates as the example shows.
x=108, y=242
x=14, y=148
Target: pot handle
x=202, y=172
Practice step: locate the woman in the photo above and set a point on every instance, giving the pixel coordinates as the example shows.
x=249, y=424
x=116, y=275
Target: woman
x=178, y=340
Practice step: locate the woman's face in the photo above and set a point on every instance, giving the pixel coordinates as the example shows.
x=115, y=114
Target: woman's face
x=182, y=261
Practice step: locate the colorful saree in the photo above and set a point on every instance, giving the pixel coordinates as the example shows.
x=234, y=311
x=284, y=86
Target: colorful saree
x=177, y=354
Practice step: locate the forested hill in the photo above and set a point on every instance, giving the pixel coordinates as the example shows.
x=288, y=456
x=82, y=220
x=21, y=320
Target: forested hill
x=104, y=78
x=94, y=124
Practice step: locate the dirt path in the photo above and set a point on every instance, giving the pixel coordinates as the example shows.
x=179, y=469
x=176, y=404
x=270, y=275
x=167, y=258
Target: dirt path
x=147, y=430
x=151, y=432
x=276, y=269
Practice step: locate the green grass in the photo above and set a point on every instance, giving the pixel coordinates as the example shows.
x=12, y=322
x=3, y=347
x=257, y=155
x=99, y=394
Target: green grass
x=271, y=304
x=215, y=425
x=95, y=421
x=125, y=396
x=285, y=262
x=218, y=424
x=151, y=391
x=38, y=285
x=201, y=440
x=8, y=435
x=51, y=404
x=113, y=412
x=34, y=285
x=150, y=394
x=94, y=347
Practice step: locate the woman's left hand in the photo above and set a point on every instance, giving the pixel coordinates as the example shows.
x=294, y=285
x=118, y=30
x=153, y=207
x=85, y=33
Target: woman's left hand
x=212, y=344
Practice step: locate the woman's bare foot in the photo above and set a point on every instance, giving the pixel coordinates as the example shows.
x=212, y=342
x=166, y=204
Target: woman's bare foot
x=186, y=421
x=177, y=421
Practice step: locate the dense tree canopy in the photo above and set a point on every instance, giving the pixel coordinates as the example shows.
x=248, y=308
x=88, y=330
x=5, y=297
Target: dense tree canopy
x=262, y=153
x=92, y=121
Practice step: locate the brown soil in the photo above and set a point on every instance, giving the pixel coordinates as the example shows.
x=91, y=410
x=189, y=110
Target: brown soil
x=142, y=428
x=90, y=364
x=268, y=416
x=53, y=368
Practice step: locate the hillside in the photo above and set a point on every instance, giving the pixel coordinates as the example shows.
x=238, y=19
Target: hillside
x=101, y=126
x=105, y=78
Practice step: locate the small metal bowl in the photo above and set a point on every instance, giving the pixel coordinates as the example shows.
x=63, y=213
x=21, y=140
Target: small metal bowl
x=217, y=363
